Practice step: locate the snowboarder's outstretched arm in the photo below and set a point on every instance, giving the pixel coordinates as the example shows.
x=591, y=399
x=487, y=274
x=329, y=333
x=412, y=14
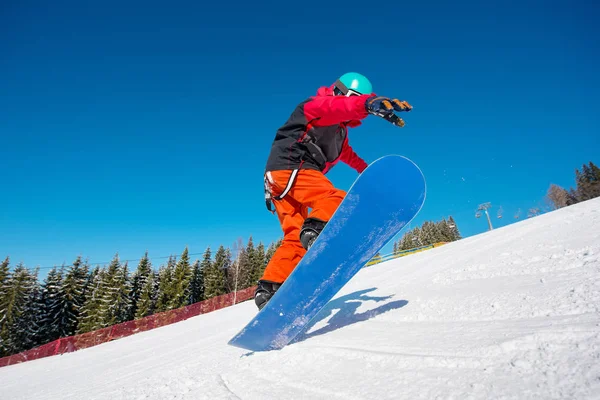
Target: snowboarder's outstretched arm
x=332, y=110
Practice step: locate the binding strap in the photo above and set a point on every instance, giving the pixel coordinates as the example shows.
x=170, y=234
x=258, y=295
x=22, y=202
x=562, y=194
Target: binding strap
x=268, y=195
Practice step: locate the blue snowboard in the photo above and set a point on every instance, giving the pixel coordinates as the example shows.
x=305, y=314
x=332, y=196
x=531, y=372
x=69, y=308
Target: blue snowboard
x=383, y=199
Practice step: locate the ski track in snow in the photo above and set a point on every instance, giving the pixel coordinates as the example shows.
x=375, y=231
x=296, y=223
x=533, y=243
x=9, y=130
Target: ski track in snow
x=510, y=314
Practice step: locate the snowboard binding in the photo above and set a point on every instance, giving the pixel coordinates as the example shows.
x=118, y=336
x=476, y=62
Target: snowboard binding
x=264, y=292
x=311, y=228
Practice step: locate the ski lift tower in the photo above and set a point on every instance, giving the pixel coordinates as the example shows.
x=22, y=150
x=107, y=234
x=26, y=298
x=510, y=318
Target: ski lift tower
x=484, y=207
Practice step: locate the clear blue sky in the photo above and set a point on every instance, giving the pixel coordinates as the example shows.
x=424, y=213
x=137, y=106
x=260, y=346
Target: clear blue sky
x=128, y=127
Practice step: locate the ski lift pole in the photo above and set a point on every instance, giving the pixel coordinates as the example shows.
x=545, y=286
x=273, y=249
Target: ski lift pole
x=489, y=220
x=484, y=207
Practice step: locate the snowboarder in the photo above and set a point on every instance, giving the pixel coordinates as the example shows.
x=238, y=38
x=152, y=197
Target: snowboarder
x=305, y=148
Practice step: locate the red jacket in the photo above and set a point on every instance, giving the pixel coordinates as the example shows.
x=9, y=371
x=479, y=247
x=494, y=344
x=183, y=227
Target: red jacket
x=315, y=136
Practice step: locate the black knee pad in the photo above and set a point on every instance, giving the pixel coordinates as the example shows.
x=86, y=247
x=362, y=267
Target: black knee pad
x=311, y=228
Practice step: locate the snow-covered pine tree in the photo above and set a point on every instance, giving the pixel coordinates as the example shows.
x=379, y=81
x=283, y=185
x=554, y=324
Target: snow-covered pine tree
x=123, y=300
x=165, y=278
x=4, y=278
x=51, y=304
x=180, y=285
x=109, y=293
x=403, y=243
x=428, y=233
x=444, y=231
x=197, y=283
x=89, y=315
x=138, y=281
x=90, y=282
x=214, y=276
x=14, y=307
x=29, y=324
x=70, y=299
x=147, y=301
x=416, y=238
x=454, y=228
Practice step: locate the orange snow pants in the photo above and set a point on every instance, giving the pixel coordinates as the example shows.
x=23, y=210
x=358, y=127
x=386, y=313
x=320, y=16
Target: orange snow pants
x=310, y=190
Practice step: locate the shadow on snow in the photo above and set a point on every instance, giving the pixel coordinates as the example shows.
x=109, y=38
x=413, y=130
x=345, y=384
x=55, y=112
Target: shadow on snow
x=347, y=315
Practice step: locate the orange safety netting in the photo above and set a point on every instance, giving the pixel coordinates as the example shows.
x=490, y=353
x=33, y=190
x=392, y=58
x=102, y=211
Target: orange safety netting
x=89, y=339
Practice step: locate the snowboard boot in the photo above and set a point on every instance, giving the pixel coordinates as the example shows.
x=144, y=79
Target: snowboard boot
x=311, y=228
x=264, y=292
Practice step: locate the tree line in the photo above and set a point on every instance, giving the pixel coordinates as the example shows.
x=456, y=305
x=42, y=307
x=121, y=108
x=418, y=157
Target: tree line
x=587, y=186
x=77, y=298
x=80, y=298
x=428, y=233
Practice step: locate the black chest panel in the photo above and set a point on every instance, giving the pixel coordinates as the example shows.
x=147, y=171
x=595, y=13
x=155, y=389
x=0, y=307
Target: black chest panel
x=325, y=143
x=297, y=144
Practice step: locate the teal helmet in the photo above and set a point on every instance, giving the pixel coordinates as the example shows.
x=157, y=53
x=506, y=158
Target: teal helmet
x=352, y=83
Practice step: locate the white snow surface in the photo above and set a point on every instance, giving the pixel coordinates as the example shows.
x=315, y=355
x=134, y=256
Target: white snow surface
x=508, y=314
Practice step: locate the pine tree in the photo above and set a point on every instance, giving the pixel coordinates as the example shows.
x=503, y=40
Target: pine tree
x=581, y=187
x=227, y=267
x=70, y=299
x=214, y=277
x=51, y=305
x=28, y=326
x=90, y=282
x=416, y=239
x=258, y=263
x=90, y=318
x=138, y=281
x=406, y=238
x=180, y=284
x=251, y=267
x=572, y=197
x=165, y=279
x=199, y=277
x=14, y=308
x=4, y=278
x=429, y=233
x=111, y=302
x=454, y=228
x=595, y=172
x=5, y=281
x=147, y=301
x=590, y=185
x=122, y=301
x=444, y=231
x=196, y=288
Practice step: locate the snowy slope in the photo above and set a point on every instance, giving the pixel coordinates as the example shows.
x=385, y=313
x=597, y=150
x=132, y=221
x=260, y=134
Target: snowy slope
x=512, y=313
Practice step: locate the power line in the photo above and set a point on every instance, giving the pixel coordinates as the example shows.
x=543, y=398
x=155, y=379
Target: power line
x=123, y=261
